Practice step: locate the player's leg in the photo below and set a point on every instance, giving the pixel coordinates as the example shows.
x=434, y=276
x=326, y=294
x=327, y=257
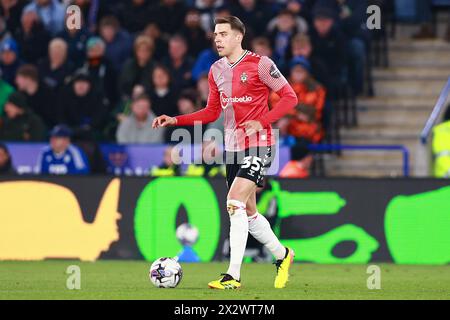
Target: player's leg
x=238, y=195
x=260, y=229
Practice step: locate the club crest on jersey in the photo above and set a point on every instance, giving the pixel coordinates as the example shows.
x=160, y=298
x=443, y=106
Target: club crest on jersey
x=244, y=77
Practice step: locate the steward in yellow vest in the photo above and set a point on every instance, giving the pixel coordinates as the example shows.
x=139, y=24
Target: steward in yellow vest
x=441, y=150
x=205, y=170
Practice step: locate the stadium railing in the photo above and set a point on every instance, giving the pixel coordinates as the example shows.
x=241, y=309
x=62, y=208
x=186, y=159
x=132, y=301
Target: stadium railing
x=319, y=148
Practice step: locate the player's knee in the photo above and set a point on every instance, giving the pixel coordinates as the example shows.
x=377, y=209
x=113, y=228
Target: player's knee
x=233, y=195
x=235, y=206
x=251, y=209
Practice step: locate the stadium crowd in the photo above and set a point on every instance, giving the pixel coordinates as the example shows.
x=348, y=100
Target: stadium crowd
x=137, y=59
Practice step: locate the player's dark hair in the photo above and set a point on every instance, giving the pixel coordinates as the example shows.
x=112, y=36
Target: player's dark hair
x=234, y=22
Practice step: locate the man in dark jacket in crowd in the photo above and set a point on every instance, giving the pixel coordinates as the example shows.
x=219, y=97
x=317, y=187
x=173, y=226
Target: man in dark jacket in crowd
x=82, y=107
x=54, y=69
x=118, y=41
x=40, y=98
x=32, y=38
x=76, y=40
x=169, y=15
x=328, y=43
x=19, y=122
x=179, y=62
x=137, y=69
x=194, y=33
x=353, y=21
x=100, y=70
x=134, y=15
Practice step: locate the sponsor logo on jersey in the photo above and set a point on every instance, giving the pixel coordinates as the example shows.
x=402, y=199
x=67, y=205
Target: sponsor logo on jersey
x=225, y=101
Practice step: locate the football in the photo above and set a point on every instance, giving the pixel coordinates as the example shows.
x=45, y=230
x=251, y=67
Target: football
x=165, y=273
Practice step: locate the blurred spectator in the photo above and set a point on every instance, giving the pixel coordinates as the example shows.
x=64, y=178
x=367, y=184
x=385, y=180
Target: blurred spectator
x=137, y=128
x=81, y=106
x=5, y=90
x=168, y=167
x=121, y=112
x=179, y=63
x=207, y=9
x=9, y=61
x=169, y=15
x=5, y=34
x=294, y=7
x=284, y=29
x=61, y=157
x=153, y=31
x=100, y=70
x=329, y=44
x=32, y=38
x=304, y=123
x=137, y=70
x=193, y=33
x=353, y=22
x=76, y=40
x=125, y=108
x=20, y=123
x=51, y=12
x=305, y=120
x=55, y=68
x=261, y=46
x=254, y=14
x=220, y=12
x=134, y=14
x=162, y=95
x=301, y=47
x=92, y=11
x=40, y=98
x=6, y=167
x=187, y=103
x=11, y=11
x=205, y=60
x=118, y=41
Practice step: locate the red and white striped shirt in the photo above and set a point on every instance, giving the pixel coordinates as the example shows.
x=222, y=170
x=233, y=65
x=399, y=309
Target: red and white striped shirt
x=241, y=90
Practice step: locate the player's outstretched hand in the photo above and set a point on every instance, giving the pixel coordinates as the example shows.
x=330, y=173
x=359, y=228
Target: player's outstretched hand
x=251, y=127
x=163, y=121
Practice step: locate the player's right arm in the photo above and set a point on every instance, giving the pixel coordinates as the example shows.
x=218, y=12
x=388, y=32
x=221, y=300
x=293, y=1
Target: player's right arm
x=208, y=114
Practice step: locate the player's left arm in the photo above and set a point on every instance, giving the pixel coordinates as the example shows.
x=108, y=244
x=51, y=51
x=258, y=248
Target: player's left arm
x=272, y=77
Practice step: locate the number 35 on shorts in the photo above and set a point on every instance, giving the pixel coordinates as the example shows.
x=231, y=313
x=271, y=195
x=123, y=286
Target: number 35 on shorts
x=251, y=162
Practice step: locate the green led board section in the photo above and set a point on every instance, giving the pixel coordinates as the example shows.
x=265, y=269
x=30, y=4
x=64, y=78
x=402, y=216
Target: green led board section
x=156, y=213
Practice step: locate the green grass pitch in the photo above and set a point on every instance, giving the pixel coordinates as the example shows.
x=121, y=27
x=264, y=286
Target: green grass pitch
x=129, y=280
